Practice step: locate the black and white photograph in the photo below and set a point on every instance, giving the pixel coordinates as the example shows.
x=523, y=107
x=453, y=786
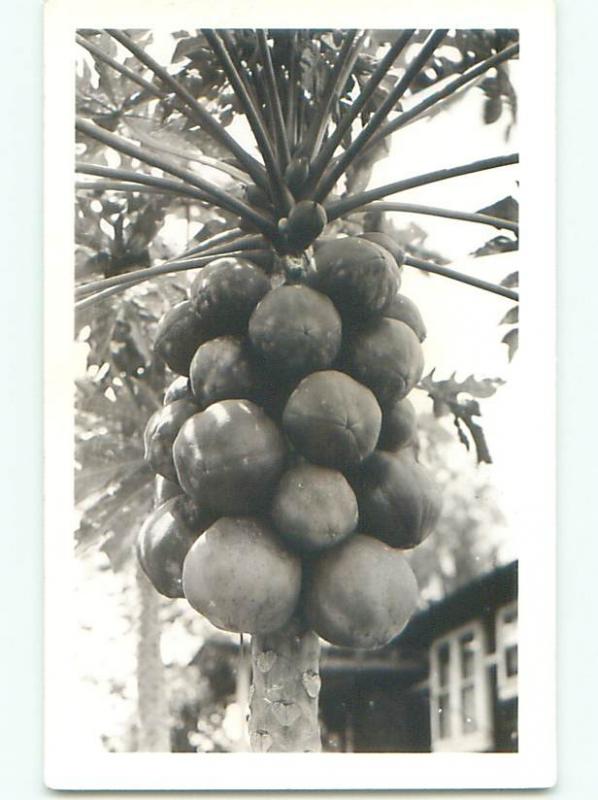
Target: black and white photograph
x=299, y=498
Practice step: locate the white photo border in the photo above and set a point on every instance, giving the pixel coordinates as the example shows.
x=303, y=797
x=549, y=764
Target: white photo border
x=534, y=766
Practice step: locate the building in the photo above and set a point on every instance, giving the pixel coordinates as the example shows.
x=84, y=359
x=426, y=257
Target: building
x=448, y=683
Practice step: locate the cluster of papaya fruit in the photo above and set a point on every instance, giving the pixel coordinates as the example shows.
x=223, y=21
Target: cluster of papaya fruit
x=288, y=481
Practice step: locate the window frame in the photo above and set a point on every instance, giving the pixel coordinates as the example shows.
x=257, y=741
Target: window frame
x=506, y=635
x=458, y=739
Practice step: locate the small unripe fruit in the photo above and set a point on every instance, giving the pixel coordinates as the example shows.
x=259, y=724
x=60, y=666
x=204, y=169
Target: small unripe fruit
x=399, y=424
x=160, y=432
x=332, y=420
x=165, y=539
x=387, y=357
x=399, y=502
x=404, y=309
x=225, y=292
x=178, y=336
x=359, y=276
x=296, y=330
x=222, y=369
x=229, y=457
x=314, y=508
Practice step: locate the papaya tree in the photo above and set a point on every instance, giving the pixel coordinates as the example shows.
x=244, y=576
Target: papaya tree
x=286, y=445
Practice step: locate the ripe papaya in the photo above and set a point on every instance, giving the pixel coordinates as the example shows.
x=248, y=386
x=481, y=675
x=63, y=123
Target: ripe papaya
x=388, y=243
x=399, y=423
x=229, y=457
x=179, y=334
x=359, y=276
x=360, y=594
x=225, y=292
x=305, y=222
x=314, y=508
x=241, y=578
x=161, y=431
x=386, y=356
x=405, y=310
x=399, y=503
x=222, y=369
x=332, y=420
x=179, y=389
x=296, y=330
x=165, y=539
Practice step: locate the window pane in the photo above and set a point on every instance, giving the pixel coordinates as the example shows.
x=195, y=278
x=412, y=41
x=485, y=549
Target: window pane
x=467, y=653
x=511, y=660
x=468, y=709
x=443, y=664
x=510, y=617
x=444, y=722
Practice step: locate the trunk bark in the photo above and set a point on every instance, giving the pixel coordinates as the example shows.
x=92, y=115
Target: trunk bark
x=152, y=703
x=284, y=694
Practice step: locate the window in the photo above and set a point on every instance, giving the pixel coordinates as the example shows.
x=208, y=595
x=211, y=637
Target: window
x=506, y=651
x=459, y=692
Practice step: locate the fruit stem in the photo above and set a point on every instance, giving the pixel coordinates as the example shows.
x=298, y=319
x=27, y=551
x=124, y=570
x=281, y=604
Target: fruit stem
x=446, y=91
x=337, y=79
x=342, y=207
x=151, y=181
x=428, y=266
x=285, y=690
x=215, y=195
x=323, y=158
x=329, y=179
x=273, y=96
x=193, y=110
x=413, y=208
x=122, y=282
x=253, y=115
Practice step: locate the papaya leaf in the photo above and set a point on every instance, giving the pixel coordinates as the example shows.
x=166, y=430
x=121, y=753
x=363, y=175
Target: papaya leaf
x=507, y=208
x=511, y=281
x=448, y=394
x=511, y=339
x=499, y=244
x=511, y=317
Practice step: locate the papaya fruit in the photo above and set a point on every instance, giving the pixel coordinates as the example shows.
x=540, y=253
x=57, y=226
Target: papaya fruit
x=161, y=431
x=405, y=310
x=399, y=503
x=179, y=389
x=225, y=292
x=295, y=330
x=222, y=369
x=179, y=334
x=164, y=490
x=388, y=243
x=229, y=457
x=165, y=539
x=332, y=420
x=359, y=276
x=305, y=222
x=296, y=173
x=360, y=594
x=387, y=357
x=399, y=424
x=314, y=508
x=241, y=578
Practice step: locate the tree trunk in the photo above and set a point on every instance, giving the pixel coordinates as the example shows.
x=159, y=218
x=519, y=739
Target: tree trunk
x=152, y=703
x=285, y=689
